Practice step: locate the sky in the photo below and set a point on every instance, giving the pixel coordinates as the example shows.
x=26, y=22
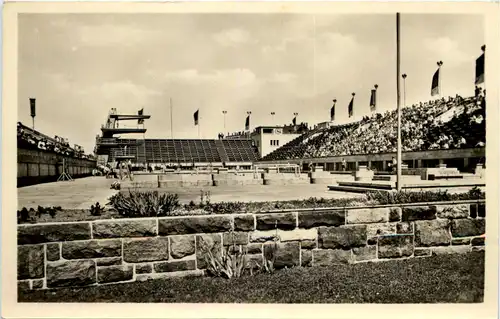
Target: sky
x=79, y=66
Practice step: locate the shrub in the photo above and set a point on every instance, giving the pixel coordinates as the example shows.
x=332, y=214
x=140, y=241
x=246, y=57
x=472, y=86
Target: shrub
x=230, y=263
x=144, y=204
x=404, y=197
x=24, y=215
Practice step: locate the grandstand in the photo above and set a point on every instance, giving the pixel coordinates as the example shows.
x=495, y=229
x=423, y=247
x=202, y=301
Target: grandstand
x=439, y=125
x=237, y=152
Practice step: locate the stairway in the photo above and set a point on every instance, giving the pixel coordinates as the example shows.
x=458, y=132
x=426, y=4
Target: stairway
x=222, y=151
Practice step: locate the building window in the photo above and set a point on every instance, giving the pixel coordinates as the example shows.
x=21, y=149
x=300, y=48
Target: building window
x=277, y=142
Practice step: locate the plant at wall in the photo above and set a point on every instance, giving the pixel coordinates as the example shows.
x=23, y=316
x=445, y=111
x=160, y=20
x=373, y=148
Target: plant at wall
x=144, y=204
x=24, y=215
x=96, y=210
x=404, y=197
x=229, y=263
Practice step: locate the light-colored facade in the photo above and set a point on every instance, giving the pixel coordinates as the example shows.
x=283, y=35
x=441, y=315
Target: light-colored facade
x=270, y=138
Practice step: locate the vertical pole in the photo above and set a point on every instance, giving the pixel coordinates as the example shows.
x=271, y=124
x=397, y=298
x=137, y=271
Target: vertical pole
x=398, y=159
x=171, y=120
x=33, y=122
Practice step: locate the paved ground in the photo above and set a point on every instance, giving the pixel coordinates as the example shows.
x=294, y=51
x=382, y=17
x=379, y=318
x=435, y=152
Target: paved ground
x=81, y=193
x=78, y=194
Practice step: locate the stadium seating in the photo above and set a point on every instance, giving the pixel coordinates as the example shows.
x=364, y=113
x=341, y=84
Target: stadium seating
x=186, y=150
x=440, y=124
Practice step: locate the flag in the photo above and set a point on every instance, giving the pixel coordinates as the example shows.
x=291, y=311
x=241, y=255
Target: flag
x=351, y=107
x=373, y=100
x=480, y=69
x=294, y=121
x=140, y=113
x=33, y=107
x=247, y=123
x=435, y=83
x=196, y=117
x=332, y=113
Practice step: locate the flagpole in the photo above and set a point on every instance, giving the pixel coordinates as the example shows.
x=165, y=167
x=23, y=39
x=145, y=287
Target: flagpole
x=199, y=124
x=398, y=53
x=440, y=63
x=171, y=120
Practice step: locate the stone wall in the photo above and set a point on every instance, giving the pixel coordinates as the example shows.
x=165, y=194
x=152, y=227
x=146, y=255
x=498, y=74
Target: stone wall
x=53, y=255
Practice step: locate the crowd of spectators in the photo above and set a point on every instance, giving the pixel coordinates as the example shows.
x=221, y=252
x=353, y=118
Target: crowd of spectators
x=31, y=139
x=450, y=123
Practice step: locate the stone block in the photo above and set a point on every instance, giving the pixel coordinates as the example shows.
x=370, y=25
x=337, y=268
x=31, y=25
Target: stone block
x=373, y=230
x=418, y=213
x=113, y=261
x=364, y=253
x=343, y=237
x=53, y=251
x=194, y=225
x=477, y=248
x=181, y=246
x=306, y=258
x=395, y=214
x=286, y=255
x=312, y=219
x=124, y=228
x=481, y=210
x=244, y=222
x=478, y=241
x=284, y=221
x=432, y=233
x=473, y=210
x=453, y=211
x=115, y=274
x=328, y=257
x=255, y=248
x=145, y=249
x=404, y=228
x=467, y=227
x=422, y=252
x=450, y=250
x=395, y=246
x=92, y=249
x=460, y=241
x=71, y=273
x=291, y=235
x=367, y=215
x=175, y=266
x=23, y=285
x=308, y=244
x=38, y=283
x=37, y=234
x=30, y=261
x=205, y=243
x=235, y=238
x=143, y=269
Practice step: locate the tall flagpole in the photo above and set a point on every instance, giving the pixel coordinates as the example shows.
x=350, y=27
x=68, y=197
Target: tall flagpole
x=398, y=159
x=171, y=120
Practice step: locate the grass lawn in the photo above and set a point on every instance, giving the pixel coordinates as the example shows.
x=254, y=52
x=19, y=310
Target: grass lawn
x=446, y=278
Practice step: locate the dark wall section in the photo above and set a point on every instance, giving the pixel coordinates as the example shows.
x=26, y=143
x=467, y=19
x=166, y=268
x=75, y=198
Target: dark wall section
x=36, y=167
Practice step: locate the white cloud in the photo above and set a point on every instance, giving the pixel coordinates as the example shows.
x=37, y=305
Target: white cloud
x=233, y=37
x=112, y=35
x=229, y=77
x=285, y=78
x=445, y=49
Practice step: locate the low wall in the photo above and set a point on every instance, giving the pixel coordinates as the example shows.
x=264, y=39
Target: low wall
x=285, y=179
x=100, y=252
x=184, y=180
x=247, y=178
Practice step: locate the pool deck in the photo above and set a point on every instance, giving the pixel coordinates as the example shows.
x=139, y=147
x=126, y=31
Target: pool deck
x=82, y=193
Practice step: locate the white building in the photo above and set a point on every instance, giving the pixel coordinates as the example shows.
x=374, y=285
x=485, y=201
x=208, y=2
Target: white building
x=269, y=138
